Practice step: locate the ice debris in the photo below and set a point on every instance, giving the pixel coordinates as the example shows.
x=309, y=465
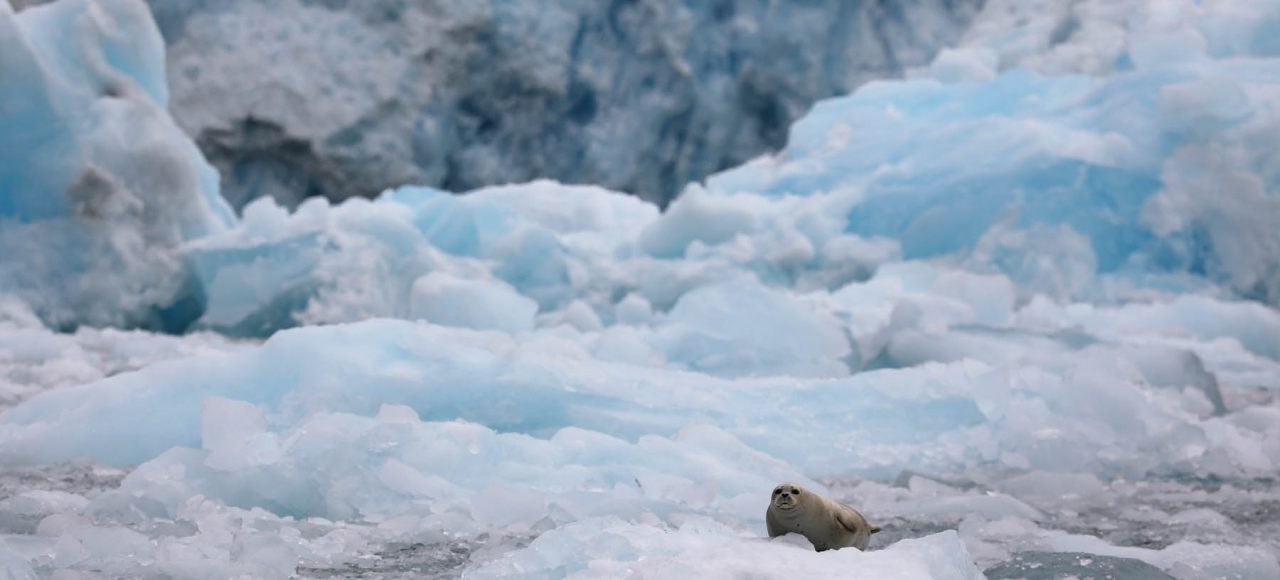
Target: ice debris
x=1072, y=403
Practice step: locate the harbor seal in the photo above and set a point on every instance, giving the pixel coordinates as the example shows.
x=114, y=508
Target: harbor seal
x=827, y=524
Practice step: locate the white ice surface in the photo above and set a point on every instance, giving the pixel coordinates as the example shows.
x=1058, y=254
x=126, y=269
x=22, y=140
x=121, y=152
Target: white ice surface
x=702, y=548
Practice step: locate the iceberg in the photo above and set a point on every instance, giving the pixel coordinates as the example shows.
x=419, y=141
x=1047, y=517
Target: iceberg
x=1054, y=180
x=98, y=186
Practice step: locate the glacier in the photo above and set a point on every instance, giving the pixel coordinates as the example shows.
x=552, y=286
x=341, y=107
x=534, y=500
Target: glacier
x=1019, y=306
x=641, y=97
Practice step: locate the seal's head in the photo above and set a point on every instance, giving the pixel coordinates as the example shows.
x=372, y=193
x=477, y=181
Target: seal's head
x=786, y=497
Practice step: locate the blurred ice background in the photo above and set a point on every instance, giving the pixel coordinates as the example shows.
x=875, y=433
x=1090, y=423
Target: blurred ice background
x=1012, y=290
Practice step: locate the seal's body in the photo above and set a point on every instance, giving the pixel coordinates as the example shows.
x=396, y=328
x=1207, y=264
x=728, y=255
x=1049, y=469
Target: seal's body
x=827, y=524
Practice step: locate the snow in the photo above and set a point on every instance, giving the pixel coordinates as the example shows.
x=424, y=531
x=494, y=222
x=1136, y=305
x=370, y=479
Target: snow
x=1019, y=307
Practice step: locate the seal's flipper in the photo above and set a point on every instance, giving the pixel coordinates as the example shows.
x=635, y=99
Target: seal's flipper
x=850, y=519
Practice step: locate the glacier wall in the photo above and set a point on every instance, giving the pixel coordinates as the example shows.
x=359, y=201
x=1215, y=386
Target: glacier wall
x=1145, y=177
x=335, y=98
x=98, y=186
x=1077, y=153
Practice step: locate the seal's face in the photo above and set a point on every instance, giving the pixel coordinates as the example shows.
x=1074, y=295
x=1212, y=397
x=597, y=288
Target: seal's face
x=786, y=497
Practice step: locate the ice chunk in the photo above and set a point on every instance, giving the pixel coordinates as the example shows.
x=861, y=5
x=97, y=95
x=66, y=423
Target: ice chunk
x=235, y=434
x=910, y=296
x=1252, y=325
x=397, y=414
x=499, y=505
x=13, y=565
x=634, y=310
x=627, y=345
x=229, y=424
x=1048, y=490
x=110, y=549
x=990, y=506
x=1055, y=261
x=710, y=330
x=577, y=314
x=24, y=511
x=98, y=187
x=998, y=171
x=478, y=223
x=697, y=216
x=964, y=65
x=1169, y=367
x=483, y=305
x=264, y=556
x=324, y=265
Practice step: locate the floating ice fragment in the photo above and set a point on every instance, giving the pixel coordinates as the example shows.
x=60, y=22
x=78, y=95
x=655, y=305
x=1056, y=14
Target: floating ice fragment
x=446, y=299
x=710, y=330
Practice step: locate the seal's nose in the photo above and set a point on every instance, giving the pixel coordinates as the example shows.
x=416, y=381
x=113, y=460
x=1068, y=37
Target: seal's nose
x=785, y=495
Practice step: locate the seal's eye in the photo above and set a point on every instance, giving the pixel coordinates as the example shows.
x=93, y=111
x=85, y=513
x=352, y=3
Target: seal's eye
x=777, y=491
x=795, y=491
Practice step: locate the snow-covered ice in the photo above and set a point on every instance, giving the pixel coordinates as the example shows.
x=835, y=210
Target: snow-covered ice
x=1019, y=307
